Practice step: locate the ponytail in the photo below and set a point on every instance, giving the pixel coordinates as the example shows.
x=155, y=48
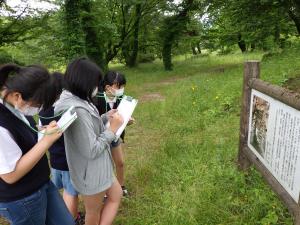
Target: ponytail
x=5, y=71
x=52, y=89
x=32, y=82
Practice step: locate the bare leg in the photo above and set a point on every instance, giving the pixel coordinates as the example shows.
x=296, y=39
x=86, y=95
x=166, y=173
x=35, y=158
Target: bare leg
x=71, y=203
x=110, y=209
x=93, y=205
x=118, y=157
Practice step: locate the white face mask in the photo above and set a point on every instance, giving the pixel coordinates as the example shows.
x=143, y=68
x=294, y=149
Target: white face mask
x=118, y=92
x=29, y=110
x=95, y=92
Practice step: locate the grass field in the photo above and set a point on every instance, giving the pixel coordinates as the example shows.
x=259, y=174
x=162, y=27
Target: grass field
x=181, y=153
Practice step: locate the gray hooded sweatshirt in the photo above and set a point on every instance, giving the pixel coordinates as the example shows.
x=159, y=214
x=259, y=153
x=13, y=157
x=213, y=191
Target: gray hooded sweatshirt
x=87, y=145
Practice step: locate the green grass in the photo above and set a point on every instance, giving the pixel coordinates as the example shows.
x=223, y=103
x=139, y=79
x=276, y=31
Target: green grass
x=181, y=154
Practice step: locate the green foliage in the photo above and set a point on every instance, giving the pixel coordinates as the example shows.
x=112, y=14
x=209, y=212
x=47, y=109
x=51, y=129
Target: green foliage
x=121, y=30
x=7, y=58
x=262, y=24
x=47, y=47
x=19, y=26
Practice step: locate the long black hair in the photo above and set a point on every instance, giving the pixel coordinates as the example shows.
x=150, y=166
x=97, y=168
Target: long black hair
x=82, y=77
x=32, y=82
x=111, y=78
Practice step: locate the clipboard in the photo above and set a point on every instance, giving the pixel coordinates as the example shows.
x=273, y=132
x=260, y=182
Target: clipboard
x=67, y=119
x=125, y=109
x=63, y=123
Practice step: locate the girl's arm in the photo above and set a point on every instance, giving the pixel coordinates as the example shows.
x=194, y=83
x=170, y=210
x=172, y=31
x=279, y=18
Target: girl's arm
x=32, y=157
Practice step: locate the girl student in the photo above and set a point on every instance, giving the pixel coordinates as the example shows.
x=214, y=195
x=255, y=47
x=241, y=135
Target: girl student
x=60, y=175
x=87, y=143
x=112, y=87
x=27, y=196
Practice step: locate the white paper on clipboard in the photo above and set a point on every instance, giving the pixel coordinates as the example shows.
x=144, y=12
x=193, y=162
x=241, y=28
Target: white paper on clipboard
x=125, y=109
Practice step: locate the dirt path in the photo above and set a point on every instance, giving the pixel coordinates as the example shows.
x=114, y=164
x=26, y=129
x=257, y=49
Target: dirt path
x=156, y=96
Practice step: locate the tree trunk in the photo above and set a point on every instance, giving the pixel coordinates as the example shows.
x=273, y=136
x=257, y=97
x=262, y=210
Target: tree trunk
x=296, y=19
x=174, y=27
x=123, y=44
x=199, y=47
x=126, y=45
x=167, y=56
x=133, y=57
x=293, y=9
x=193, y=49
x=242, y=44
x=253, y=47
x=94, y=49
x=277, y=34
x=74, y=36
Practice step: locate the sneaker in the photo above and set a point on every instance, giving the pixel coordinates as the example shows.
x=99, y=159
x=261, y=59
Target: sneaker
x=125, y=191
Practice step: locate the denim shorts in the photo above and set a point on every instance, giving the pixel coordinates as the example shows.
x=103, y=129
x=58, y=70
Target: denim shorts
x=45, y=206
x=62, y=180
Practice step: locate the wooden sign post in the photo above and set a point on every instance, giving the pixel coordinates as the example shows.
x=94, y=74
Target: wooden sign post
x=251, y=71
x=270, y=136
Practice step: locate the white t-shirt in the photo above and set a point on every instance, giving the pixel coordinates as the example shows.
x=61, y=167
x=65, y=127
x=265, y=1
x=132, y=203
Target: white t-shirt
x=10, y=152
